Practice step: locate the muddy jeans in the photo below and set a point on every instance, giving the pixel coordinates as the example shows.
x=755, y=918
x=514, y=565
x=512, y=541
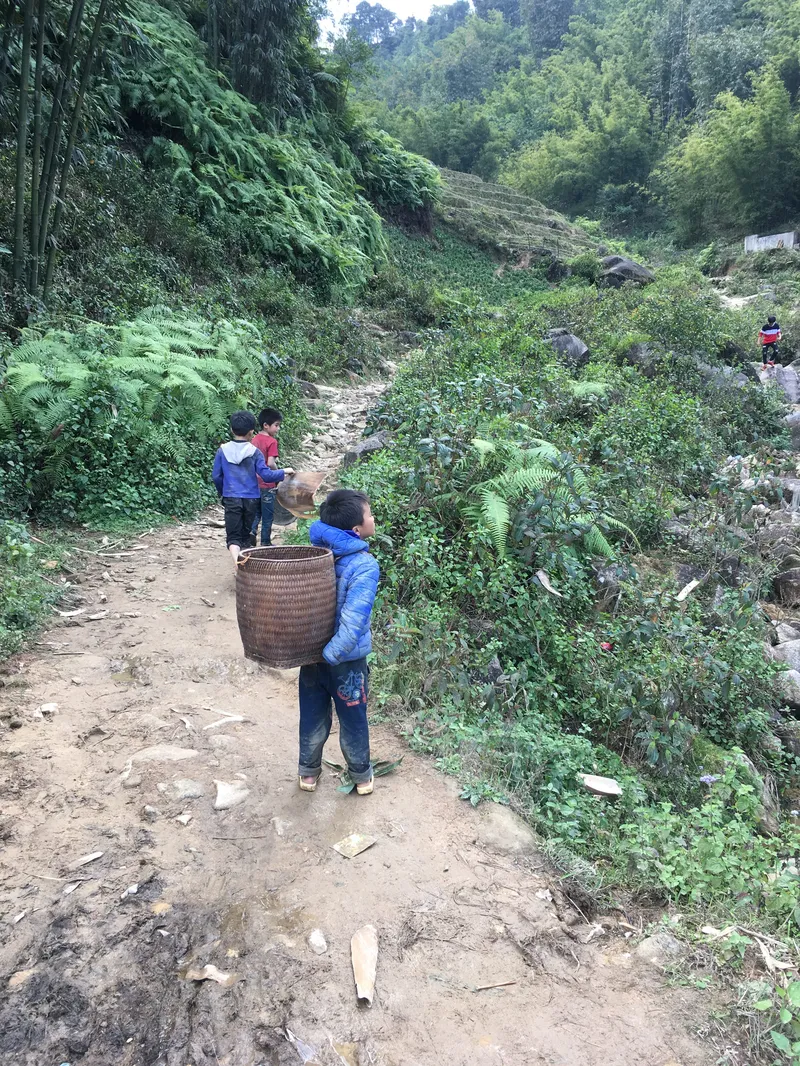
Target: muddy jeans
x=345, y=684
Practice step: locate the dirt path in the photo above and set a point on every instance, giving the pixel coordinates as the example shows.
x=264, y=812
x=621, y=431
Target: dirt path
x=93, y=958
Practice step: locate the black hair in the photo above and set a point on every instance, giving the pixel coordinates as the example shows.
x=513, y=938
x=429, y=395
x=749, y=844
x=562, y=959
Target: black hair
x=268, y=416
x=242, y=422
x=344, y=508
x=771, y=319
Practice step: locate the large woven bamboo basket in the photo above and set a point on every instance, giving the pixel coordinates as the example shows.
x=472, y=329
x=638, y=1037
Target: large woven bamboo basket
x=285, y=604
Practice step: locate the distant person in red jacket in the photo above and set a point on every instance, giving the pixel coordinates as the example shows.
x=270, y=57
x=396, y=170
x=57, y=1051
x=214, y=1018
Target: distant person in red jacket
x=768, y=338
x=266, y=440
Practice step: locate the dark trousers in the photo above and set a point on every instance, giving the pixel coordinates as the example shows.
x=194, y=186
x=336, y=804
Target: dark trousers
x=772, y=348
x=265, y=516
x=240, y=514
x=345, y=685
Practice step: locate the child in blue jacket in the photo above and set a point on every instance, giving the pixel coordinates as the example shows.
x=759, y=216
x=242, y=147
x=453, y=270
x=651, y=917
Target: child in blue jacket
x=346, y=522
x=237, y=467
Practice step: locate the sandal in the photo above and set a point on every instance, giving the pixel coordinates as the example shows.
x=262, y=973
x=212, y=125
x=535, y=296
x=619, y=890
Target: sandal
x=305, y=786
x=366, y=787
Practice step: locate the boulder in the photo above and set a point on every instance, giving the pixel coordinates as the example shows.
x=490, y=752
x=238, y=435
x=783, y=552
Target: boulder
x=366, y=447
x=571, y=348
x=787, y=587
x=784, y=632
x=504, y=832
x=788, y=732
x=789, y=653
x=793, y=422
x=733, y=353
x=618, y=270
x=786, y=378
x=790, y=687
x=643, y=357
x=684, y=534
x=306, y=388
x=770, y=809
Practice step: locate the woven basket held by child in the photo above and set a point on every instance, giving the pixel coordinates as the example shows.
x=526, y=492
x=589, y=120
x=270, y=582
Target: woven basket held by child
x=285, y=604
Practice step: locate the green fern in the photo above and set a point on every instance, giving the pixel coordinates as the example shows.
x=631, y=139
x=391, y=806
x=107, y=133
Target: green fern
x=522, y=472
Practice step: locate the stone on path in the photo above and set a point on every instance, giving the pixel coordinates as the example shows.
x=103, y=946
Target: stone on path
x=503, y=831
x=366, y=447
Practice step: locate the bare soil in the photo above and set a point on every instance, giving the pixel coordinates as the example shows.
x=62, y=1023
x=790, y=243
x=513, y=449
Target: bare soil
x=94, y=970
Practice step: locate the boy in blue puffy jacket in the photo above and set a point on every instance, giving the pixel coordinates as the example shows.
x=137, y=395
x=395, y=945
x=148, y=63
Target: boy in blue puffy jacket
x=345, y=524
x=237, y=467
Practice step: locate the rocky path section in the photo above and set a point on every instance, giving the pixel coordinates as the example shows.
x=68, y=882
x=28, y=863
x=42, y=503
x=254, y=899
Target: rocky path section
x=152, y=833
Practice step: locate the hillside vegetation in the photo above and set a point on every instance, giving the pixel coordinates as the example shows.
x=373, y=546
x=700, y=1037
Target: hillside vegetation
x=195, y=214
x=645, y=113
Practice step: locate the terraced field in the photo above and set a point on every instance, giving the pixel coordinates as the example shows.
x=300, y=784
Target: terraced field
x=506, y=219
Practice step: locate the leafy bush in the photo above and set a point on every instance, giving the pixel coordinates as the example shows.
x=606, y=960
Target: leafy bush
x=25, y=595
x=498, y=647
x=122, y=422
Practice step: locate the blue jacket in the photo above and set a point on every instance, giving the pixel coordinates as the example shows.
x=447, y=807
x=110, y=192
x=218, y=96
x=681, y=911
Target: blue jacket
x=236, y=465
x=357, y=576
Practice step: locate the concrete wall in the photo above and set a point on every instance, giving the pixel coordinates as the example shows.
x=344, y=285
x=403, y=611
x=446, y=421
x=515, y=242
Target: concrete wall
x=776, y=240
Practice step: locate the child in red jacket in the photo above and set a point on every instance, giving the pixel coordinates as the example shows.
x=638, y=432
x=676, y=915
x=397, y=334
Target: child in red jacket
x=266, y=440
x=768, y=338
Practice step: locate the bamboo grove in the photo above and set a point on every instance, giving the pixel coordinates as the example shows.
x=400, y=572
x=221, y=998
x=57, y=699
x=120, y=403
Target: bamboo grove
x=50, y=51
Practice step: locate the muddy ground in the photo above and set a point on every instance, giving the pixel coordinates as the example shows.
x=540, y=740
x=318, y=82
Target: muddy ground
x=94, y=958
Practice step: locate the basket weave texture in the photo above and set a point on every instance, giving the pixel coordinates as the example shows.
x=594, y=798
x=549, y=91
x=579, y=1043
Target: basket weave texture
x=285, y=604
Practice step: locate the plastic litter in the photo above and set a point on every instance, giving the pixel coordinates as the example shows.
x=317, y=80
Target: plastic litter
x=600, y=786
x=353, y=845
x=211, y=973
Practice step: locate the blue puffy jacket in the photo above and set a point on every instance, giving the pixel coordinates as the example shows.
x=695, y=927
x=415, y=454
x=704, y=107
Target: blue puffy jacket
x=236, y=465
x=357, y=574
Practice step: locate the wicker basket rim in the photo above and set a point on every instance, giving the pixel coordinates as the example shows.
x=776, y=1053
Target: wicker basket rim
x=309, y=553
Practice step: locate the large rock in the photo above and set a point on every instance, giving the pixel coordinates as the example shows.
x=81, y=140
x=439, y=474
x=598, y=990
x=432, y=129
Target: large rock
x=366, y=447
x=788, y=731
x=769, y=809
x=643, y=357
x=793, y=422
x=572, y=350
x=787, y=587
x=504, y=832
x=786, y=378
x=785, y=632
x=789, y=653
x=617, y=270
x=790, y=687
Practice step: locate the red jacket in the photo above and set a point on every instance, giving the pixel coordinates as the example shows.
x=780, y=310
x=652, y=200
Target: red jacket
x=268, y=446
x=769, y=334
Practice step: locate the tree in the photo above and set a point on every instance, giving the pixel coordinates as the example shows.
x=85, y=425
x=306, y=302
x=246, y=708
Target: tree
x=374, y=23
x=740, y=170
x=546, y=21
x=44, y=154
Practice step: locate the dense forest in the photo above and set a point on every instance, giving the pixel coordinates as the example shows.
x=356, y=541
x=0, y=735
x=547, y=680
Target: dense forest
x=652, y=113
x=202, y=209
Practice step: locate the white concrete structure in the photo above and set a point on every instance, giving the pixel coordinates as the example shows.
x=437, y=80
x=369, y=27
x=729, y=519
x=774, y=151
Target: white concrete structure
x=776, y=240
